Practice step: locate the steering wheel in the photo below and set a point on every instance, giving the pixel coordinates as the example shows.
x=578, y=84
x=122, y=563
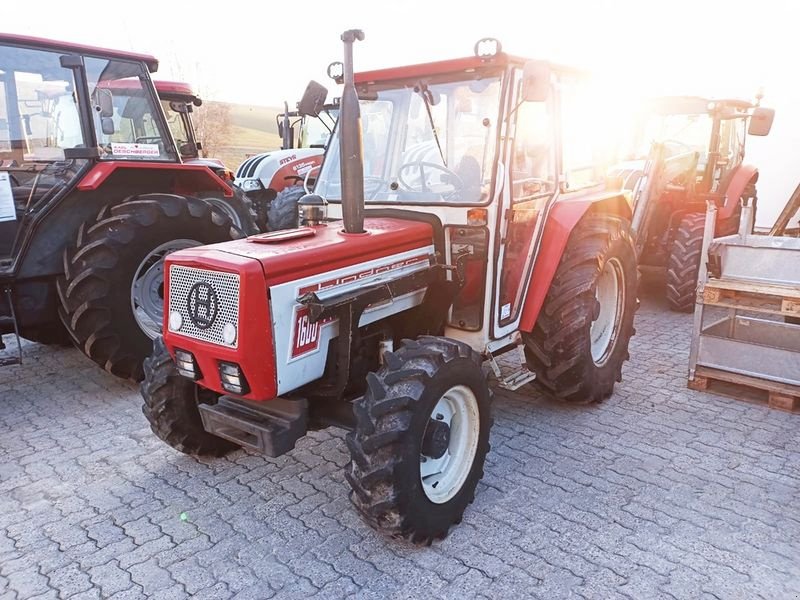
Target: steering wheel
x=455, y=180
x=681, y=146
x=148, y=140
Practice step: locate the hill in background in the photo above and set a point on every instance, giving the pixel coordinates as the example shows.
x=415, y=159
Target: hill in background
x=253, y=129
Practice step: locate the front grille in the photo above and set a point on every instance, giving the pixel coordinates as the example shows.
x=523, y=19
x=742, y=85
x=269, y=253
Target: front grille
x=214, y=303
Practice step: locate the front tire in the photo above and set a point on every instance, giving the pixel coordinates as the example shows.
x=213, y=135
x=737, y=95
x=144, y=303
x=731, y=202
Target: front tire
x=684, y=262
x=170, y=406
x=111, y=293
x=282, y=213
x=421, y=438
x=580, y=340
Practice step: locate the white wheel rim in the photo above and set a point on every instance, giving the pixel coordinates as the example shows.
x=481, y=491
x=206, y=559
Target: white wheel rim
x=610, y=295
x=442, y=478
x=147, y=291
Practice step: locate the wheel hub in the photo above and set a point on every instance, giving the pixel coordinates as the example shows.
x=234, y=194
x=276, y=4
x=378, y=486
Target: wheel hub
x=436, y=439
x=449, y=444
x=147, y=288
x=608, y=311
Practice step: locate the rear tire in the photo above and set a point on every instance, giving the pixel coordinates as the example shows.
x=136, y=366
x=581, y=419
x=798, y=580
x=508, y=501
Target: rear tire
x=282, y=213
x=99, y=271
x=239, y=209
x=429, y=399
x=170, y=406
x=684, y=262
x=579, y=343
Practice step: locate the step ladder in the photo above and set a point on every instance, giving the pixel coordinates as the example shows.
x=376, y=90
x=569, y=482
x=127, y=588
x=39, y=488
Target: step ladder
x=8, y=359
x=515, y=377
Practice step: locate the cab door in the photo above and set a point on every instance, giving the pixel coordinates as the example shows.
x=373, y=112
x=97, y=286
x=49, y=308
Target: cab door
x=530, y=186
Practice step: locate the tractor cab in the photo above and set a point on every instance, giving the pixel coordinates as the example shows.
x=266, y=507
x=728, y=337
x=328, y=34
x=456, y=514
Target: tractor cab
x=61, y=113
x=475, y=146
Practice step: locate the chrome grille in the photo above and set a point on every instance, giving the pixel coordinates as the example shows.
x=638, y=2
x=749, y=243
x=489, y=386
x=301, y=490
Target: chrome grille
x=225, y=288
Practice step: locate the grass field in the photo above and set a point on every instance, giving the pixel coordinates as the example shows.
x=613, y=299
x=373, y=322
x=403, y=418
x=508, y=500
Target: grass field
x=253, y=130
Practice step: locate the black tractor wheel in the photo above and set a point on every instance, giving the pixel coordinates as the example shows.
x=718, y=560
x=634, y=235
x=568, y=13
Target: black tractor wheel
x=238, y=208
x=580, y=339
x=170, y=405
x=684, y=262
x=421, y=438
x=112, y=292
x=282, y=213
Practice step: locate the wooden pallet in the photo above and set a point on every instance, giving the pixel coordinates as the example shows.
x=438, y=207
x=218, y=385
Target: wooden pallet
x=772, y=299
x=780, y=396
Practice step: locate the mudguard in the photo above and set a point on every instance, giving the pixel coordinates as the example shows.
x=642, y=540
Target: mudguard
x=742, y=175
x=561, y=220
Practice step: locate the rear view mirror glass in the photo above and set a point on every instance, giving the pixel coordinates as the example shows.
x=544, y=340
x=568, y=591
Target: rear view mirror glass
x=105, y=103
x=535, y=81
x=107, y=125
x=761, y=121
x=313, y=99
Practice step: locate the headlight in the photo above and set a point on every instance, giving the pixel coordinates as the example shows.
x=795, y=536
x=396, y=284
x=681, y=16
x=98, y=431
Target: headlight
x=251, y=185
x=175, y=321
x=229, y=334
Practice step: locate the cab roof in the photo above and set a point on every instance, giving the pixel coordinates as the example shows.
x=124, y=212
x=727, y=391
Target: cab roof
x=455, y=65
x=57, y=46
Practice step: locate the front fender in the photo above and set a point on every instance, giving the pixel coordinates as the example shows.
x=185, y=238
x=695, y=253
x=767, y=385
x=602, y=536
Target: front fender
x=742, y=175
x=561, y=220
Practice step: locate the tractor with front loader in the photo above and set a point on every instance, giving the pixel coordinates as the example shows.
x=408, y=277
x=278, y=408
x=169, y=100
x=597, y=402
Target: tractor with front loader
x=93, y=195
x=451, y=223
x=694, y=149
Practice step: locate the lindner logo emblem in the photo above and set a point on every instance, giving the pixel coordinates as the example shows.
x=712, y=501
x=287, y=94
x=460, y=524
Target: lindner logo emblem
x=203, y=305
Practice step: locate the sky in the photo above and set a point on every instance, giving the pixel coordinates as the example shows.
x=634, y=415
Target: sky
x=263, y=53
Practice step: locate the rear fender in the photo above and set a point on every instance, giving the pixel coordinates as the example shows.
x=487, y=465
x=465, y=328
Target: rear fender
x=561, y=220
x=742, y=175
x=188, y=179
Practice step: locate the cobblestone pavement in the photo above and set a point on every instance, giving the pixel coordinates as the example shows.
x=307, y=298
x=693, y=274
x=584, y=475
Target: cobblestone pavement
x=658, y=492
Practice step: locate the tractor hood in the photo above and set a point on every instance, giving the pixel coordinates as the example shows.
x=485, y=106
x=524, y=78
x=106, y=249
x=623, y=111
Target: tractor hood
x=296, y=253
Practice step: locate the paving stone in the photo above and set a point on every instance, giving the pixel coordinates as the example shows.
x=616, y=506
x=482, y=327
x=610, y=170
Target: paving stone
x=659, y=492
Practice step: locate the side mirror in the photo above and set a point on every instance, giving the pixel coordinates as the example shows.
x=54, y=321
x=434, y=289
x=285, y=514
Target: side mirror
x=536, y=81
x=107, y=125
x=188, y=150
x=105, y=103
x=761, y=121
x=179, y=107
x=313, y=99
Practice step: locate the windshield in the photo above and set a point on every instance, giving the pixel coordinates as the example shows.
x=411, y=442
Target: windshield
x=38, y=106
x=316, y=130
x=424, y=142
x=177, y=113
x=126, y=116
x=679, y=133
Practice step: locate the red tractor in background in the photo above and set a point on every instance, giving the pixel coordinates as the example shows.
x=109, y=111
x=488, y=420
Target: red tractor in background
x=274, y=181
x=694, y=149
x=93, y=195
x=178, y=101
x=450, y=224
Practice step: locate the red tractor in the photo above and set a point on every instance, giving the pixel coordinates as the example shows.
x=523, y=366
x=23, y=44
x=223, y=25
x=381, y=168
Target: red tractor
x=178, y=100
x=459, y=227
x=694, y=149
x=93, y=195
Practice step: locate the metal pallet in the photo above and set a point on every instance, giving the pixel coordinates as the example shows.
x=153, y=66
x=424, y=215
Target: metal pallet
x=747, y=287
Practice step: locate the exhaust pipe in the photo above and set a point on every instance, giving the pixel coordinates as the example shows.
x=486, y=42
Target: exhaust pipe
x=351, y=151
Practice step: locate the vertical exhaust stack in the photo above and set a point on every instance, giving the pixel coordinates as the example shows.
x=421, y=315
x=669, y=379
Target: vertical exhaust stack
x=351, y=149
